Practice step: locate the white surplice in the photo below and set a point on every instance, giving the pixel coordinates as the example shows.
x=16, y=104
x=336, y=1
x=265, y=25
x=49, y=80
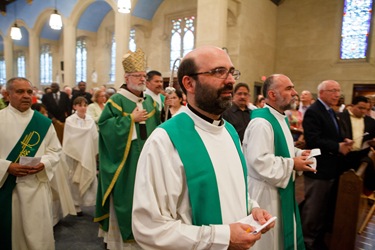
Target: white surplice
x=32, y=225
x=161, y=207
x=80, y=147
x=268, y=172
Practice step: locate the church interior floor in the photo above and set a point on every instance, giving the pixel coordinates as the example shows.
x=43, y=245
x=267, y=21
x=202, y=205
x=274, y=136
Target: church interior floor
x=365, y=240
x=73, y=233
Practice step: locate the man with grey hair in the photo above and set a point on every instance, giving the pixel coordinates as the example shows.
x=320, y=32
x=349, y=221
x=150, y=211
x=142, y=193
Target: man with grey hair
x=25, y=195
x=321, y=129
x=272, y=161
x=306, y=99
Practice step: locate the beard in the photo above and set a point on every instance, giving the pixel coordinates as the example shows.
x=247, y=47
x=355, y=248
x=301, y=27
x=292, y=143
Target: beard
x=210, y=100
x=140, y=87
x=282, y=103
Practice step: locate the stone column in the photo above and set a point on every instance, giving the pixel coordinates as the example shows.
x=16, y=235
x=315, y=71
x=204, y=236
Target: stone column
x=8, y=56
x=122, y=32
x=69, y=55
x=34, y=64
x=212, y=31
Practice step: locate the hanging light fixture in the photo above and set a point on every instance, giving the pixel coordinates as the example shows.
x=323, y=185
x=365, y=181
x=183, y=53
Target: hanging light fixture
x=15, y=31
x=124, y=6
x=55, y=21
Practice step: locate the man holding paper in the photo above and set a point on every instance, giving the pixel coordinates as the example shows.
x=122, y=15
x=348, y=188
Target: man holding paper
x=321, y=130
x=191, y=183
x=25, y=197
x=359, y=127
x=272, y=161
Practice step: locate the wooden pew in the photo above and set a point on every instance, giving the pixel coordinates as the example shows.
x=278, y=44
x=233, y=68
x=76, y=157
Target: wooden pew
x=349, y=211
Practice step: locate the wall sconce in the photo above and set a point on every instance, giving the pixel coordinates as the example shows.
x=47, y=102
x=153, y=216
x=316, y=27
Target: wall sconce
x=124, y=6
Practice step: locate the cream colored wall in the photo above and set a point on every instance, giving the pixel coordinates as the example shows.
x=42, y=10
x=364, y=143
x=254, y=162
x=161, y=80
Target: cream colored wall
x=308, y=46
x=252, y=39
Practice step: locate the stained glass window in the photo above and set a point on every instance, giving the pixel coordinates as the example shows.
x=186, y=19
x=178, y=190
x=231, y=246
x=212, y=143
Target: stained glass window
x=113, y=60
x=81, y=60
x=45, y=65
x=2, y=70
x=132, y=45
x=21, y=64
x=355, y=32
x=183, y=37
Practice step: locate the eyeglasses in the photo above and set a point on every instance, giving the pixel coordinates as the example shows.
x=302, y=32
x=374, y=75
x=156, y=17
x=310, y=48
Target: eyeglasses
x=221, y=73
x=333, y=90
x=138, y=75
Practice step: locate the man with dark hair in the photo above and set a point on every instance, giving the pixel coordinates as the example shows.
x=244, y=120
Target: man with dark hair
x=154, y=87
x=57, y=103
x=81, y=92
x=272, y=161
x=191, y=189
x=239, y=114
x=25, y=192
x=355, y=123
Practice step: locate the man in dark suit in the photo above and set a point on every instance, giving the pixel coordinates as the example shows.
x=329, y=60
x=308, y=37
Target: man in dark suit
x=82, y=92
x=321, y=130
x=354, y=124
x=58, y=106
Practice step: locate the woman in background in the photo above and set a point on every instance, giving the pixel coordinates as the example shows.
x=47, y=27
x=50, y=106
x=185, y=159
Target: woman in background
x=95, y=109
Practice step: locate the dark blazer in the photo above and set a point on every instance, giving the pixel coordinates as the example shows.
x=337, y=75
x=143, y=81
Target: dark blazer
x=320, y=132
x=59, y=111
x=86, y=95
x=355, y=158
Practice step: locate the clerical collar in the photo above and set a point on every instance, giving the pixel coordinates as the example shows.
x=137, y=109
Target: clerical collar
x=207, y=119
x=275, y=109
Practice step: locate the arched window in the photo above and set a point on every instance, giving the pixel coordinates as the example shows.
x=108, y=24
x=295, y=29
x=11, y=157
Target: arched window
x=113, y=60
x=132, y=45
x=2, y=70
x=21, y=64
x=81, y=60
x=183, y=37
x=45, y=65
x=356, y=26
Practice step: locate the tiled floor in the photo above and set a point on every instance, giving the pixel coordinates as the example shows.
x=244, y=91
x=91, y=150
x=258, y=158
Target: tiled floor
x=80, y=233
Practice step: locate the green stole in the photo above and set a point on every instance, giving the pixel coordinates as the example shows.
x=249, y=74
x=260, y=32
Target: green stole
x=200, y=173
x=27, y=145
x=289, y=206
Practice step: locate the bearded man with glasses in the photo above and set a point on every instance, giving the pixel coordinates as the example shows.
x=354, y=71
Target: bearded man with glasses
x=127, y=120
x=191, y=182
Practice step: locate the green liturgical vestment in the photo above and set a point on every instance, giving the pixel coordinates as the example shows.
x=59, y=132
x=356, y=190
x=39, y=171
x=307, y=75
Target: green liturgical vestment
x=289, y=206
x=119, y=151
x=200, y=174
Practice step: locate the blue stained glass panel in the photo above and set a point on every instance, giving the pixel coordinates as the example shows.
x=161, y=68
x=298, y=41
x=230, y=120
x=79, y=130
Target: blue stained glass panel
x=355, y=31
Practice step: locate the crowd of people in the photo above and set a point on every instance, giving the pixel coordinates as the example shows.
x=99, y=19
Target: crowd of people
x=183, y=169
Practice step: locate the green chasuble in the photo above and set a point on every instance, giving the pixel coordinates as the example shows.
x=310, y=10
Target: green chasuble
x=289, y=206
x=118, y=157
x=200, y=173
x=27, y=145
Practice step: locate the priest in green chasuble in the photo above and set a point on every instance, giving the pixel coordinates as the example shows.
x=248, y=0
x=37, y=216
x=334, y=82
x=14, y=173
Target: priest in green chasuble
x=124, y=125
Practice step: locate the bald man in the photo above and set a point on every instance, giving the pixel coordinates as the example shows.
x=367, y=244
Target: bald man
x=198, y=208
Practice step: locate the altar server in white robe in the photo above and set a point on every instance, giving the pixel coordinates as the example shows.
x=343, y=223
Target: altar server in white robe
x=272, y=161
x=190, y=187
x=80, y=147
x=29, y=214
